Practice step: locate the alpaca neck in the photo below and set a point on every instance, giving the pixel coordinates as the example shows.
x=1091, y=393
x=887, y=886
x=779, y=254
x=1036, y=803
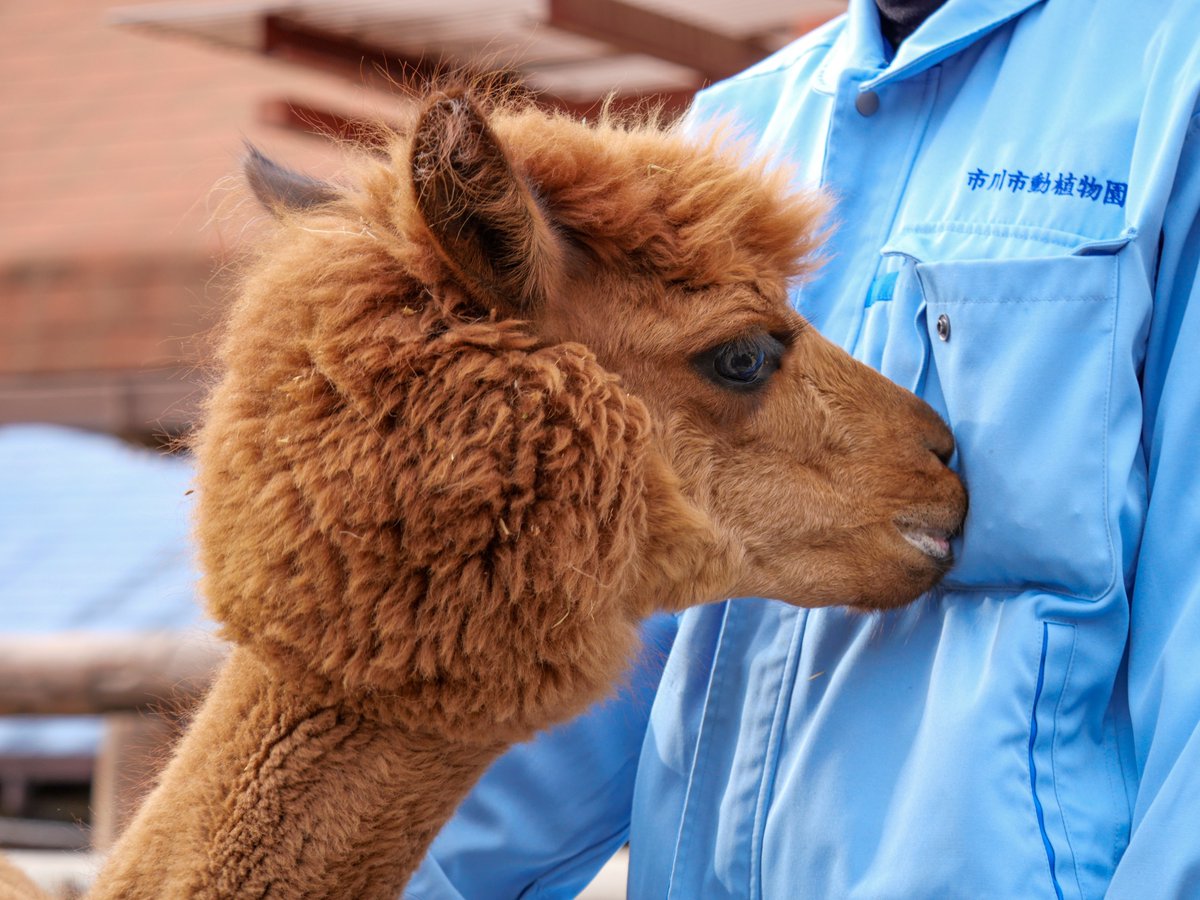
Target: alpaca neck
x=274, y=794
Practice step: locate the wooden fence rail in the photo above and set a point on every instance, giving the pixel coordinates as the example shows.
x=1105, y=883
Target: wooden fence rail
x=143, y=684
x=93, y=673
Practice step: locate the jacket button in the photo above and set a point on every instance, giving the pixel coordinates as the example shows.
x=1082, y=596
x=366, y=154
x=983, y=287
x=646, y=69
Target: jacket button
x=943, y=327
x=867, y=103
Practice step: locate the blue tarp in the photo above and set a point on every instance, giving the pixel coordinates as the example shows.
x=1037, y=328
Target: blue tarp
x=94, y=536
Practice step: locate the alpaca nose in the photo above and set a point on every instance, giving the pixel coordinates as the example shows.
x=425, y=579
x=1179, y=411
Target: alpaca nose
x=935, y=434
x=940, y=442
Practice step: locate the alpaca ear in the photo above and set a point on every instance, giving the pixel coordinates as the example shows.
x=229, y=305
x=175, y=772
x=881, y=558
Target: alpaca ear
x=483, y=216
x=279, y=189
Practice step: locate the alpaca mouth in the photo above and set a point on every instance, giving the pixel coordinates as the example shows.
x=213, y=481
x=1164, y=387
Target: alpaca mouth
x=933, y=542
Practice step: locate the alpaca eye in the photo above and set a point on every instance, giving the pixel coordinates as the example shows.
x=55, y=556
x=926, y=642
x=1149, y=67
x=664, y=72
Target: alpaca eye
x=738, y=363
x=741, y=365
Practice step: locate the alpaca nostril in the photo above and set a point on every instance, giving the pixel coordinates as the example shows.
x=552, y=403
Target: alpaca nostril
x=940, y=443
x=931, y=430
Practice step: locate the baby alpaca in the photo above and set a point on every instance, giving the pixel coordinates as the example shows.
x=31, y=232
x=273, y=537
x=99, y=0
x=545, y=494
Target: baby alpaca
x=509, y=390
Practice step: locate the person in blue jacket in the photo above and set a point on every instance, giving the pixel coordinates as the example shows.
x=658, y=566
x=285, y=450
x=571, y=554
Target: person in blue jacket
x=1017, y=186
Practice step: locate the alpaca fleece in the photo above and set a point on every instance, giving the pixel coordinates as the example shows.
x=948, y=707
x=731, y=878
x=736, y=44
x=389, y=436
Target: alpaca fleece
x=443, y=481
x=415, y=498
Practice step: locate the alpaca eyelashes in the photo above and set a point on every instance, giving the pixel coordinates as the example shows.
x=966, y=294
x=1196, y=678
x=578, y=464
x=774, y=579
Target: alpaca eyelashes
x=745, y=364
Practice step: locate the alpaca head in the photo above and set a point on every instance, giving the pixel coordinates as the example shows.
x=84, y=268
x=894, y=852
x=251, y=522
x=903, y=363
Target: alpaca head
x=821, y=482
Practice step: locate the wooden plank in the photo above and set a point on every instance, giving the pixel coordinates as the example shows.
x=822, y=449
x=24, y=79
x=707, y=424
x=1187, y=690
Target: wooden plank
x=25, y=777
x=135, y=748
x=672, y=103
x=131, y=402
x=42, y=835
x=307, y=118
x=291, y=41
x=634, y=29
x=89, y=673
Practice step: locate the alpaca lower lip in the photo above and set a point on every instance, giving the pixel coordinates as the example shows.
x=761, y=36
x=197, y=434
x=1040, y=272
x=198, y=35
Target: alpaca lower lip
x=931, y=542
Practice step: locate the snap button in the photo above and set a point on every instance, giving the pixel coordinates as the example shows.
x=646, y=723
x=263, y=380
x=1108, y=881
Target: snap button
x=943, y=327
x=867, y=103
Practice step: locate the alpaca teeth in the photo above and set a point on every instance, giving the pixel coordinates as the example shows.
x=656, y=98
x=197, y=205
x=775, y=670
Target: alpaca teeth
x=931, y=543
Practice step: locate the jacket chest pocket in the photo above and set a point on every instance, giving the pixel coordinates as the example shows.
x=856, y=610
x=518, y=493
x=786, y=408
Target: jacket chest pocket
x=1021, y=357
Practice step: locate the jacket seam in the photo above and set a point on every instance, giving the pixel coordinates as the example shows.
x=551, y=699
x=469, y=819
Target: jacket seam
x=1074, y=860
x=703, y=748
x=974, y=301
x=766, y=784
x=1114, y=567
x=1038, y=233
x=930, y=84
x=1033, y=732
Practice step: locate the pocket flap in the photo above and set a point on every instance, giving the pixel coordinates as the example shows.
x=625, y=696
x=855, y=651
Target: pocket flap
x=1022, y=351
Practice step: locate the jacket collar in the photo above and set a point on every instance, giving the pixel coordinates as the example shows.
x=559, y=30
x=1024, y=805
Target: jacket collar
x=951, y=28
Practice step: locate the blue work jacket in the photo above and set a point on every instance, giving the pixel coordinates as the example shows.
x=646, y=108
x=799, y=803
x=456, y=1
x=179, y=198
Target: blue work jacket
x=1017, y=242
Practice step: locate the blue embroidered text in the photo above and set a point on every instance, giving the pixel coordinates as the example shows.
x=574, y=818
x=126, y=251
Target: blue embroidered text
x=1063, y=184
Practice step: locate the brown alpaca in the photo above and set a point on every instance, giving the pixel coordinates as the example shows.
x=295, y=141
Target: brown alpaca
x=519, y=385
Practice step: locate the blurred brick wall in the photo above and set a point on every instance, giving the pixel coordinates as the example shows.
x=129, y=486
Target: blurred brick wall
x=105, y=313
x=111, y=343
x=118, y=208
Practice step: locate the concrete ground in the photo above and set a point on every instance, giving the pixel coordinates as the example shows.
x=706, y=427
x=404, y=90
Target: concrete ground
x=609, y=884
x=59, y=873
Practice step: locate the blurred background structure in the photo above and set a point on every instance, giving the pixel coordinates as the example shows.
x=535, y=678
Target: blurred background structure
x=120, y=218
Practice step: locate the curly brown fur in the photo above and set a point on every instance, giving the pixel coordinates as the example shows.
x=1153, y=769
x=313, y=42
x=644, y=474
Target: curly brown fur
x=466, y=439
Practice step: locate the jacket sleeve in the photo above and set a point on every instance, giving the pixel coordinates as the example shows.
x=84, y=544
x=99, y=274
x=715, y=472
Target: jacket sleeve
x=550, y=813
x=1163, y=855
